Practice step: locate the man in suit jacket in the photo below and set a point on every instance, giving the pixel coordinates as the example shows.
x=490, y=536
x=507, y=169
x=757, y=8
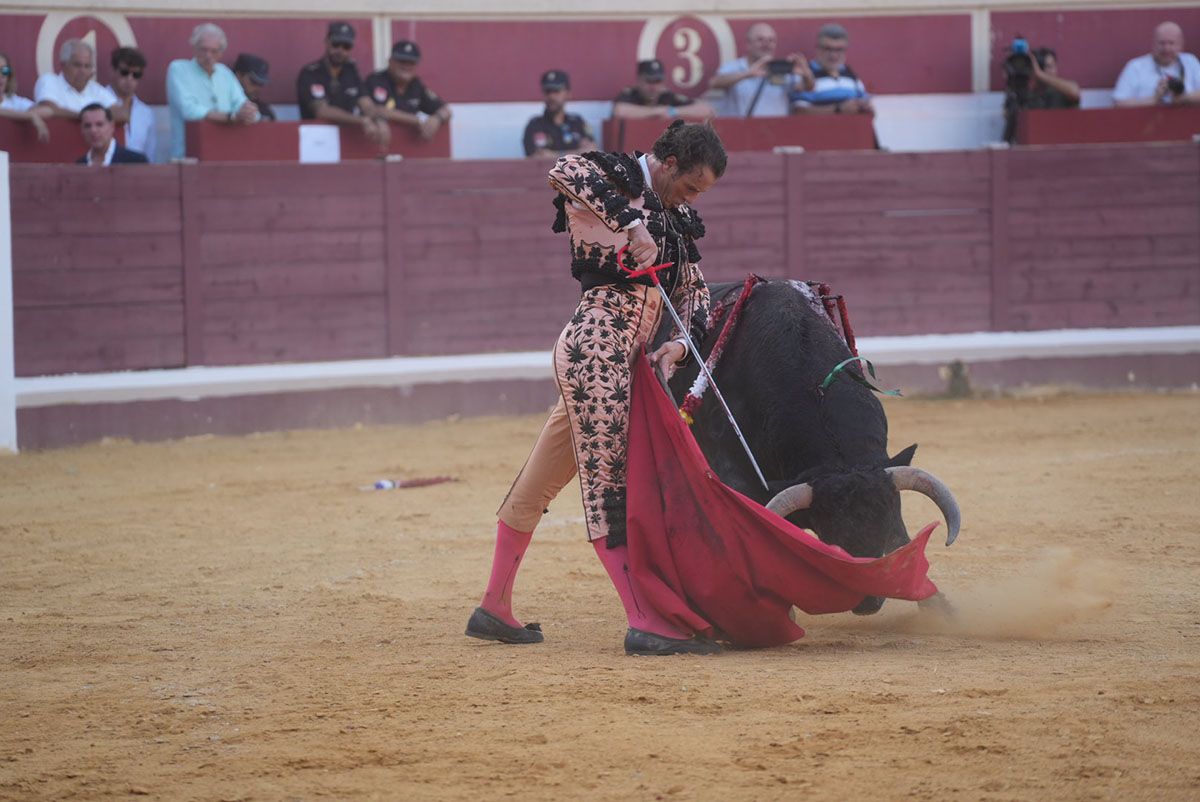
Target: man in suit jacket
x=96, y=123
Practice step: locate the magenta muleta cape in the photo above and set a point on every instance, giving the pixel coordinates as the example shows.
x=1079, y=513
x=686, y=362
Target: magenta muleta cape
x=712, y=561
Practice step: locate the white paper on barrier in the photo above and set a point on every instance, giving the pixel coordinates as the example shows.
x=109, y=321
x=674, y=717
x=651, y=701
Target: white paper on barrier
x=320, y=144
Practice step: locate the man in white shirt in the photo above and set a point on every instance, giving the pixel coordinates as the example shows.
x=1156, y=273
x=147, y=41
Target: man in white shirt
x=67, y=92
x=1164, y=75
x=129, y=65
x=758, y=84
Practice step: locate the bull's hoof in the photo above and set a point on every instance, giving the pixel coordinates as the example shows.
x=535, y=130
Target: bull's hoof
x=938, y=603
x=485, y=626
x=647, y=644
x=869, y=606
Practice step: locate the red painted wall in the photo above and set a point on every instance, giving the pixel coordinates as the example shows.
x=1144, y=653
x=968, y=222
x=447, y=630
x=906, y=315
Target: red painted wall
x=170, y=265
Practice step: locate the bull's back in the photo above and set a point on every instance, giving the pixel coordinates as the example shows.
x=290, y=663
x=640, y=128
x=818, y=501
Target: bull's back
x=776, y=359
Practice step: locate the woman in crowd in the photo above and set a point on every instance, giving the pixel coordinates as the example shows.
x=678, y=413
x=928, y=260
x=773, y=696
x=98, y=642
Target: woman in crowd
x=15, y=107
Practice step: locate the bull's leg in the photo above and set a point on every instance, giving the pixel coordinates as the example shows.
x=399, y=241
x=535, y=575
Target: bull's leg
x=938, y=603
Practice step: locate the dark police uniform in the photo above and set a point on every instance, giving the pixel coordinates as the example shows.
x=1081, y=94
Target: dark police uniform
x=316, y=82
x=544, y=133
x=630, y=94
x=415, y=97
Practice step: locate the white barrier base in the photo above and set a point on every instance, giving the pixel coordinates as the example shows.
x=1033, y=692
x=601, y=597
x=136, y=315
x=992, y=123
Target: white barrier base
x=214, y=382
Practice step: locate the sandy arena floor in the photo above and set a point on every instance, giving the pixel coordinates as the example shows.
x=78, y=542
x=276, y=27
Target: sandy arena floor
x=232, y=619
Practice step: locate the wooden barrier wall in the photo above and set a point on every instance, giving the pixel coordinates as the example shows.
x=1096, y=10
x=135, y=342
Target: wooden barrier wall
x=221, y=264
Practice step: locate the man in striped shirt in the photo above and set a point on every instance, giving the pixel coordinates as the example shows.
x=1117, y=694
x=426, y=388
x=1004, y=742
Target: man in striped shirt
x=832, y=87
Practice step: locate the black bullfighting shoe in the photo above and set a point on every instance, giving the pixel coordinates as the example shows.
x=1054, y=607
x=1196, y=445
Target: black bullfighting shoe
x=648, y=644
x=485, y=626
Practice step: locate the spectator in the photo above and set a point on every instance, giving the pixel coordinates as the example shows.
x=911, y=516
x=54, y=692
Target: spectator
x=758, y=84
x=402, y=97
x=65, y=93
x=1034, y=83
x=129, y=65
x=1164, y=75
x=833, y=88
x=253, y=73
x=649, y=98
x=202, y=88
x=96, y=122
x=331, y=89
x=15, y=107
x=556, y=131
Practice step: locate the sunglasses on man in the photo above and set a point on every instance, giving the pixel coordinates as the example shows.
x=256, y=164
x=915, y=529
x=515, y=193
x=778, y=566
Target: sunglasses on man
x=126, y=72
x=343, y=45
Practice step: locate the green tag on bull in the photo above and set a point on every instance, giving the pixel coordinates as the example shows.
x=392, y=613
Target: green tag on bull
x=840, y=370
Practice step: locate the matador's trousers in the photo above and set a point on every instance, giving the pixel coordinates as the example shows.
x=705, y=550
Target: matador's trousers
x=586, y=432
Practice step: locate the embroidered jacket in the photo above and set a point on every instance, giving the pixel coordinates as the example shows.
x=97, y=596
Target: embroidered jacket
x=602, y=194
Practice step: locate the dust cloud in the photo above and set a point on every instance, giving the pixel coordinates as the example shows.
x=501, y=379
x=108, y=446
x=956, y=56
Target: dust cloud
x=1056, y=589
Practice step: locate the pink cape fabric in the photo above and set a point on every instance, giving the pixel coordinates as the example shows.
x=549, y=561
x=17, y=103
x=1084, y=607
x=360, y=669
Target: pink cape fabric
x=712, y=561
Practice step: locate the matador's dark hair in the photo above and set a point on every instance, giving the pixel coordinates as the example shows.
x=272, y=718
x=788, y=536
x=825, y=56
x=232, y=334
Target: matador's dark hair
x=693, y=145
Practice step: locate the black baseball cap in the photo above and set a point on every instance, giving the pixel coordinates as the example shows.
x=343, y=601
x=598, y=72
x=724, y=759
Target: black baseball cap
x=254, y=66
x=405, y=50
x=554, y=80
x=341, y=33
x=651, y=69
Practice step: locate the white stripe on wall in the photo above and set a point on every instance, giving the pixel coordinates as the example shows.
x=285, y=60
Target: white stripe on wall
x=212, y=382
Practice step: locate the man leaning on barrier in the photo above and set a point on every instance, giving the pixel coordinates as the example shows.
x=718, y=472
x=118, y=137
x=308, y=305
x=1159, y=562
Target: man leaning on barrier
x=202, y=88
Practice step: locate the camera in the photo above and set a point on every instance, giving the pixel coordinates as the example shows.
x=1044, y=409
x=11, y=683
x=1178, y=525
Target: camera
x=1175, y=85
x=779, y=66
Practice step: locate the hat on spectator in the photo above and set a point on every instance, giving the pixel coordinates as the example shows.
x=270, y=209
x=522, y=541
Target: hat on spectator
x=651, y=69
x=341, y=33
x=405, y=50
x=555, y=79
x=257, y=68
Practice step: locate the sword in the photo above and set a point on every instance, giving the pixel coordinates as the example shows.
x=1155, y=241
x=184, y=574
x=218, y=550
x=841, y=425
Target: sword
x=652, y=271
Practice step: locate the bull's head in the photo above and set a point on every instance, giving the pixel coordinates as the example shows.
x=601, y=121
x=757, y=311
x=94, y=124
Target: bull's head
x=859, y=510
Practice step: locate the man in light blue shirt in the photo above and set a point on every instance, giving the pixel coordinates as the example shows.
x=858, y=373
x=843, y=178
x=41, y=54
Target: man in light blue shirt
x=202, y=88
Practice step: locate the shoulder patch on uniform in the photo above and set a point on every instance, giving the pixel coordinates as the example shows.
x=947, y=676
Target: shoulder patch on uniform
x=318, y=91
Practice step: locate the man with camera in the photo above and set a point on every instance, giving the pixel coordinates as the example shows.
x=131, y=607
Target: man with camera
x=1032, y=82
x=833, y=86
x=1164, y=75
x=758, y=84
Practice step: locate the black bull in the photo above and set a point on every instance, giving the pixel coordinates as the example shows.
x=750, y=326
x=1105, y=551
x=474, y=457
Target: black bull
x=823, y=452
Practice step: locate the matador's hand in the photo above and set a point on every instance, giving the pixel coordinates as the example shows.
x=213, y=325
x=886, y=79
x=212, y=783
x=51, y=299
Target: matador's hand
x=666, y=355
x=642, y=246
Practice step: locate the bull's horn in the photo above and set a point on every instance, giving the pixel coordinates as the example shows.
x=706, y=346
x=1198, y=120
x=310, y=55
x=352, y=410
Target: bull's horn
x=909, y=478
x=792, y=499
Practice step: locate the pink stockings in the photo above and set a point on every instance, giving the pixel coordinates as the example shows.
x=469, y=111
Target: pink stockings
x=510, y=548
x=640, y=616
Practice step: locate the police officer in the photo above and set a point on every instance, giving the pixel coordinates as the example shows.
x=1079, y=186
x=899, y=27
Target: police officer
x=401, y=97
x=331, y=89
x=557, y=132
x=650, y=98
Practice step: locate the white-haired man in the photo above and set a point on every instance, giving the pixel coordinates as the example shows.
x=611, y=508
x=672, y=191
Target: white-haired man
x=66, y=93
x=1164, y=75
x=202, y=88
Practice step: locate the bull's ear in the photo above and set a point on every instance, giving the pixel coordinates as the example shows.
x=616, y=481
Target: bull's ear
x=905, y=457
